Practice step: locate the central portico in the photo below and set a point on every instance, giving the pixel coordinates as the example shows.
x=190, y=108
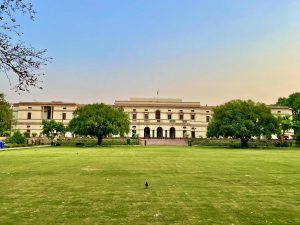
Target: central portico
x=166, y=118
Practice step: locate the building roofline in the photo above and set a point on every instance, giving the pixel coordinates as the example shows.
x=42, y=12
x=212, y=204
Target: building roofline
x=53, y=103
x=279, y=107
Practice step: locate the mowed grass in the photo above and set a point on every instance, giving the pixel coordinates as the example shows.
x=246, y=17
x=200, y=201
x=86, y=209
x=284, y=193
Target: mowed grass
x=188, y=185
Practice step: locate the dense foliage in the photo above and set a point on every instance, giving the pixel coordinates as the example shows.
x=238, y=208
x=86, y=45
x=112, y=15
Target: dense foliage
x=17, y=138
x=99, y=120
x=293, y=101
x=5, y=116
x=91, y=142
x=285, y=123
x=235, y=143
x=51, y=129
x=243, y=120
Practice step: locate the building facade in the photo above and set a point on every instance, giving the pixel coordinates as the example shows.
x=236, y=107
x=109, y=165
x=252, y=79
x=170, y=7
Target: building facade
x=149, y=118
x=28, y=116
x=166, y=118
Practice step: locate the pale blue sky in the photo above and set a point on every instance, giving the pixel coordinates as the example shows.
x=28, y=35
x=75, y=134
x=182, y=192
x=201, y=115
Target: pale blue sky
x=208, y=51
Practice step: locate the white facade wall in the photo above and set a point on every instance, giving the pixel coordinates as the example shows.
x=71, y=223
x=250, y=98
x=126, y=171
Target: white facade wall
x=137, y=107
x=28, y=116
x=181, y=117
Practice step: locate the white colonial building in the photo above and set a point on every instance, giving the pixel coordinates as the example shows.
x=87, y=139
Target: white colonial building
x=149, y=118
x=28, y=116
x=166, y=118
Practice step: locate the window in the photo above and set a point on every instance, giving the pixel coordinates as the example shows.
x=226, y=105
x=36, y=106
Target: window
x=146, y=109
x=193, y=110
x=64, y=107
x=64, y=116
x=134, y=110
x=29, y=116
x=192, y=116
x=28, y=126
x=29, y=107
x=146, y=116
x=207, y=111
x=169, y=116
x=157, y=114
x=193, y=134
x=180, y=110
x=207, y=119
x=278, y=111
x=181, y=116
x=169, y=110
x=47, y=112
x=134, y=116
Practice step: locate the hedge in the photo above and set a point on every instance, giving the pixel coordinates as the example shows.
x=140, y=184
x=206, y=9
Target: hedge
x=229, y=142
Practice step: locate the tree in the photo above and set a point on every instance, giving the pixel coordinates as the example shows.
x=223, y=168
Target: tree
x=243, y=120
x=296, y=127
x=285, y=124
x=293, y=101
x=15, y=56
x=5, y=115
x=99, y=120
x=51, y=129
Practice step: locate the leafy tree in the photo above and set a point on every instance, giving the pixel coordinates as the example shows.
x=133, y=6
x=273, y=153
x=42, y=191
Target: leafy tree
x=99, y=120
x=243, y=120
x=285, y=124
x=5, y=116
x=17, y=138
x=296, y=127
x=51, y=129
x=293, y=101
x=15, y=56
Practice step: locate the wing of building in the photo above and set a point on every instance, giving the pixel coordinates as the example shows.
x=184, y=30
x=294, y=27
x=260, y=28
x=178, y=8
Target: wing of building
x=28, y=116
x=149, y=117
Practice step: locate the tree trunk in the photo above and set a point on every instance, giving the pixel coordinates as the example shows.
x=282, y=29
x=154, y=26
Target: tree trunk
x=244, y=142
x=99, y=140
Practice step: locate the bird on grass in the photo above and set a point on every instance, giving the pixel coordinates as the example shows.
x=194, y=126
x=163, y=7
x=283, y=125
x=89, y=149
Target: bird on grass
x=146, y=184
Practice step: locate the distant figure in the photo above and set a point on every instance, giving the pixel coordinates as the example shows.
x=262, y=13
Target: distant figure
x=146, y=185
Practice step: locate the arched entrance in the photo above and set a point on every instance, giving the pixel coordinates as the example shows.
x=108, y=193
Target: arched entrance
x=172, y=133
x=146, y=132
x=159, y=132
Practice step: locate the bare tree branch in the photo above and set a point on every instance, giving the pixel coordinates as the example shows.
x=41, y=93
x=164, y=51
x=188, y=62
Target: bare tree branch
x=15, y=56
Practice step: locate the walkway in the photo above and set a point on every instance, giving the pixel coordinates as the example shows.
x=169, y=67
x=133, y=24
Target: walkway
x=19, y=148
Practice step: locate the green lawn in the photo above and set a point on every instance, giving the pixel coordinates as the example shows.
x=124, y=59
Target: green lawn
x=188, y=185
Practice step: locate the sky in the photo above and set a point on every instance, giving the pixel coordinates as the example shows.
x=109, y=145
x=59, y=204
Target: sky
x=206, y=51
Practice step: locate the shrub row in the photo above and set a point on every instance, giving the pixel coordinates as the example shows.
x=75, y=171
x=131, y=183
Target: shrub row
x=253, y=143
x=90, y=142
